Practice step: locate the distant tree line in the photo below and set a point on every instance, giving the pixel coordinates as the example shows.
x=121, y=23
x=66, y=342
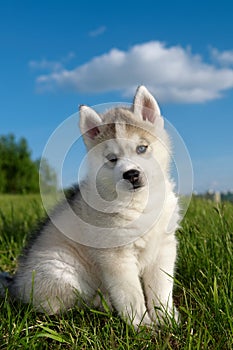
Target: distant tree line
x=228, y=196
x=212, y=195
x=18, y=172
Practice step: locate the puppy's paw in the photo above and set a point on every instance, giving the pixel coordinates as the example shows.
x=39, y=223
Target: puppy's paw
x=161, y=316
x=138, y=322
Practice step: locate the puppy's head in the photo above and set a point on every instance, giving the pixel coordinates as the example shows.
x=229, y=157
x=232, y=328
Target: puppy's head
x=127, y=147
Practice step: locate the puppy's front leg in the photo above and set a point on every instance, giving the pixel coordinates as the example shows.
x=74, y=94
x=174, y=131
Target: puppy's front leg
x=125, y=292
x=158, y=282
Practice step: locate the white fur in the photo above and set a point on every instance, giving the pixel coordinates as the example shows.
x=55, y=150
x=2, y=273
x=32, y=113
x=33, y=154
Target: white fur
x=135, y=277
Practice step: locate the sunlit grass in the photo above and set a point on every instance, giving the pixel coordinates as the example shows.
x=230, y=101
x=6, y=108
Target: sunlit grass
x=203, y=291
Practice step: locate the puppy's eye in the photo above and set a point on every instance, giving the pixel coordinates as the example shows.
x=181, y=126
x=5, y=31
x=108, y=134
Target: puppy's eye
x=141, y=149
x=112, y=158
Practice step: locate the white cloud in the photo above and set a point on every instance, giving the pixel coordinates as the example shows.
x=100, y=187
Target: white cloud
x=225, y=58
x=46, y=65
x=98, y=31
x=171, y=73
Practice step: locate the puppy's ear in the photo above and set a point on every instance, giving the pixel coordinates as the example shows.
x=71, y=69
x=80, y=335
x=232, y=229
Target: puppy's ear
x=145, y=106
x=89, y=123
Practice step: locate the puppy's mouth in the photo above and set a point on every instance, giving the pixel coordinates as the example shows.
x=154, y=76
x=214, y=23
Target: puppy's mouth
x=135, y=187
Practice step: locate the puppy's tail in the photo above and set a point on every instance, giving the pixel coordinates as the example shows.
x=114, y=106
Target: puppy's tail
x=5, y=281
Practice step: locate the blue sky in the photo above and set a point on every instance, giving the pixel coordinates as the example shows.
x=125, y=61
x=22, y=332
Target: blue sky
x=56, y=55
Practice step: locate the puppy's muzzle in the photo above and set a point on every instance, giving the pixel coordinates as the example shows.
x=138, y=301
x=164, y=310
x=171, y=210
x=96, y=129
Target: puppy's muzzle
x=133, y=176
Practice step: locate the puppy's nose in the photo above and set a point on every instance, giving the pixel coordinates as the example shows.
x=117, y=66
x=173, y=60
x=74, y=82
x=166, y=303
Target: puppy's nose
x=132, y=175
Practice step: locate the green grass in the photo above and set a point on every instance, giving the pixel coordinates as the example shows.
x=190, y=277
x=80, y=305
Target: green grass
x=203, y=291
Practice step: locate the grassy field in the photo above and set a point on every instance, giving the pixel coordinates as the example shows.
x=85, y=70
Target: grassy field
x=203, y=292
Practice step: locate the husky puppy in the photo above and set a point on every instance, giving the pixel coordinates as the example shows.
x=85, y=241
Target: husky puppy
x=123, y=242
